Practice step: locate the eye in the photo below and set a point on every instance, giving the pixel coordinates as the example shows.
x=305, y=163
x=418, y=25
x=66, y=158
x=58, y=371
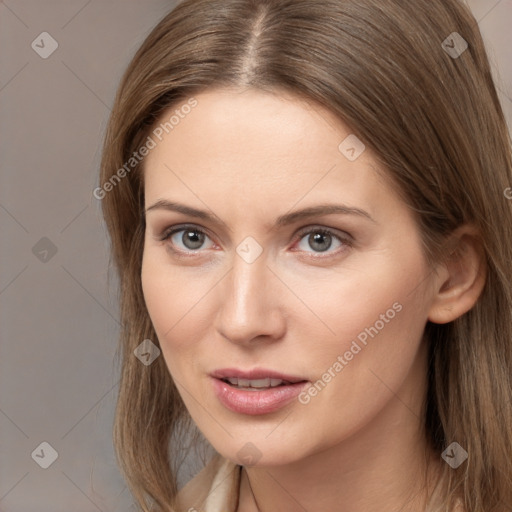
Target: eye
x=321, y=240
x=190, y=238
x=186, y=239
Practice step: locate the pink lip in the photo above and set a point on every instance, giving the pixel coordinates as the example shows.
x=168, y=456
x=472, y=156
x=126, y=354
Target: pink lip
x=256, y=402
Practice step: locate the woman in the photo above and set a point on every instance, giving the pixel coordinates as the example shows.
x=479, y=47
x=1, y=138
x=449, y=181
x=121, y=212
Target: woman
x=308, y=210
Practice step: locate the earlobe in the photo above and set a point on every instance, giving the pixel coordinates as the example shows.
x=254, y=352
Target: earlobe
x=462, y=277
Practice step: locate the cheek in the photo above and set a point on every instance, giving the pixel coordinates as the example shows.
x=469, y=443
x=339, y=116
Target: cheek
x=175, y=300
x=375, y=296
x=164, y=295
x=377, y=320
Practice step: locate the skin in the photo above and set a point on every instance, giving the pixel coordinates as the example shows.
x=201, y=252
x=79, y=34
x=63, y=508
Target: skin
x=248, y=157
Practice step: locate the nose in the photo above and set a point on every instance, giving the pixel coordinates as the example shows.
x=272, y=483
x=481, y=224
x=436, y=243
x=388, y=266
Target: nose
x=250, y=303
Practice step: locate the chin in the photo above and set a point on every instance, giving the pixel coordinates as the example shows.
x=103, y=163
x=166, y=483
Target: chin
x=256, y=451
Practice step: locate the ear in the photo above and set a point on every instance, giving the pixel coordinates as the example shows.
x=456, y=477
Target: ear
x=460, y=276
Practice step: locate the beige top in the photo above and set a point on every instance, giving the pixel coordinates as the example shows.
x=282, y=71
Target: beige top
x=216, y=487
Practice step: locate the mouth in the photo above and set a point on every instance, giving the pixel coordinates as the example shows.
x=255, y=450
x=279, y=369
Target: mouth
x=256, y=391
x=255, y=384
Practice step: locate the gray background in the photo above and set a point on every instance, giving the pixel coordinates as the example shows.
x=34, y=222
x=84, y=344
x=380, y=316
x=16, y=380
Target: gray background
x=58, y=319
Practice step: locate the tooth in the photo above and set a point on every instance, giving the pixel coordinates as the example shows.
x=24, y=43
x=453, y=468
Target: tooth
x=260, y=383
x=255, y=384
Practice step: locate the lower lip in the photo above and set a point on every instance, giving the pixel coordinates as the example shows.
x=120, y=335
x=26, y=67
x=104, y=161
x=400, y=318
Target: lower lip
x=256, y=402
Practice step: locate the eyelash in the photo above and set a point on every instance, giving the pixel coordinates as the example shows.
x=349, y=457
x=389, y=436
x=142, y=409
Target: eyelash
x=346, y=241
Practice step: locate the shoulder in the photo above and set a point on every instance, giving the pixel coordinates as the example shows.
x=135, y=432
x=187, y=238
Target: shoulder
x=214, y=489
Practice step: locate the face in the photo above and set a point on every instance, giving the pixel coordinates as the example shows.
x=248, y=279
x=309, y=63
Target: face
x=280, y=328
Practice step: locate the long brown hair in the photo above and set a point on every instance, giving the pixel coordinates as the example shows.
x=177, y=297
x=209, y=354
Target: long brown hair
x=399, y=76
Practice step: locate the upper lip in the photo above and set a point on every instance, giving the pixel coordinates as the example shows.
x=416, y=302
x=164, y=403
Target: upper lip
x=254, y=374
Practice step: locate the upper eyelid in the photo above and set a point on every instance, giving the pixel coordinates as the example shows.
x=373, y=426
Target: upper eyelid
x=181, y=227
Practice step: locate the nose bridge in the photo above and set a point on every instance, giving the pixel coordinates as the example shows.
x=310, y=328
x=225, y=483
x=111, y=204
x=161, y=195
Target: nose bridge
x=248, y=285
x=247, y=303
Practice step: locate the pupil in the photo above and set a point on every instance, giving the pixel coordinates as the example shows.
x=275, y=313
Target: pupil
x=193, y=240
x=317, y=239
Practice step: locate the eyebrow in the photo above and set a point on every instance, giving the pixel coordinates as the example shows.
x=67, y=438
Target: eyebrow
x=283, y=220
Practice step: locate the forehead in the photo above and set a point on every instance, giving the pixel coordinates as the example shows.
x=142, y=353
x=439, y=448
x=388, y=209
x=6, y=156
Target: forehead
x=247, y=123
x=257, y=150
